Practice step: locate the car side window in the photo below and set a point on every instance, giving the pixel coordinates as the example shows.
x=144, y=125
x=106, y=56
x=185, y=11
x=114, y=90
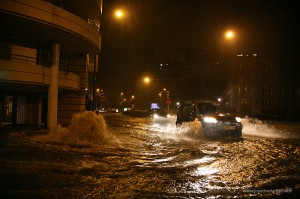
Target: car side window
x=205, y=108
x=188, y=109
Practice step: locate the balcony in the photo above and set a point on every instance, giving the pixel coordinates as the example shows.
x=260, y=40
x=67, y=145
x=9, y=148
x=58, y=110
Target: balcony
x=41, y=22
x=26, y=73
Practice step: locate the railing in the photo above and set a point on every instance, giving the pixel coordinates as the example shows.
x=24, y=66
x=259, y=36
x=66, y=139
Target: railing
x=5, y=54
x=95, y=25
x=19, y=58
x=62, y=5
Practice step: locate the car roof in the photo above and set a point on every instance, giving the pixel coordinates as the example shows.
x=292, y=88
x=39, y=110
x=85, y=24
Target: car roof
x=198, y=101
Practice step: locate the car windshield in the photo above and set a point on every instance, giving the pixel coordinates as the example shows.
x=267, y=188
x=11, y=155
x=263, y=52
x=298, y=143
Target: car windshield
x=205, y=108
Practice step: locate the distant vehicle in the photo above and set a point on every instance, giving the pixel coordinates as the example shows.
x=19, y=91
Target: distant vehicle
x=215, y=123
x=157, y=114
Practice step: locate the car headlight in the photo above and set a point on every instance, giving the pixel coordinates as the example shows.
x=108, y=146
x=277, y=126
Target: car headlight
x=238, y=119
x=155, y=116
x=210, y=120
x=168, y=116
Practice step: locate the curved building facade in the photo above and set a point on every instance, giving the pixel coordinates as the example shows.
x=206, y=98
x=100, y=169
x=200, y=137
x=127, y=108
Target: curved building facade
x=49, y=51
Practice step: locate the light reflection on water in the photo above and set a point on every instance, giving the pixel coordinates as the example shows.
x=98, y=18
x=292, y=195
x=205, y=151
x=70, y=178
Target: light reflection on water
x=237, y=166
x=140, y=159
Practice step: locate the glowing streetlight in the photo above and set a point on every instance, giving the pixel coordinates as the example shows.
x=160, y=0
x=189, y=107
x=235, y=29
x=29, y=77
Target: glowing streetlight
x=229, y=35
x=119, y=14
x=146, y=80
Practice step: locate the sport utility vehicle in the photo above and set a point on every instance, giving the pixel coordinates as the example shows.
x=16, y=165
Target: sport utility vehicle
x=215, y=123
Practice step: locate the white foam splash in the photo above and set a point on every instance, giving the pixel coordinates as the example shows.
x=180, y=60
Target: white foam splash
x=192, y=129
x=85, y=128
x=256, y=127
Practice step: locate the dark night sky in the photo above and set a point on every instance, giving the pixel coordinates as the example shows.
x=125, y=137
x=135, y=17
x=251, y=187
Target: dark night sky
x=160, y=31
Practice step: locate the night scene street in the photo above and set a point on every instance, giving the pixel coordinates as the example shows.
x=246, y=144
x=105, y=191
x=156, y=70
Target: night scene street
x=144, y=158
x=149, y=99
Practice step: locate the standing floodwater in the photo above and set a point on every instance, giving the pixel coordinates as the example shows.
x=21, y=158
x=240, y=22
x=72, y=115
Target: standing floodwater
x=124, y=157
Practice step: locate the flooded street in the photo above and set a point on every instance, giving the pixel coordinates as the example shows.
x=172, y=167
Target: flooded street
x=139, y=158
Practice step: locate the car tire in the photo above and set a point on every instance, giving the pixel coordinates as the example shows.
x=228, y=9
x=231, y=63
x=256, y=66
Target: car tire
x=178, y=123
x=238, y=133
x=206, y=133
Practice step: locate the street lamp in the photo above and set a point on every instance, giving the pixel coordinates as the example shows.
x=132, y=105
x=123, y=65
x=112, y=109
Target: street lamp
x=97, y=98
x=119, y=13
x=146, y=80
x=131, y=101
x=121, y=96
x=229, y=34
x=167, y=98
x=238, y=50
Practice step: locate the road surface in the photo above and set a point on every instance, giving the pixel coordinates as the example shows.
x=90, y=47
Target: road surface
x=117, y=156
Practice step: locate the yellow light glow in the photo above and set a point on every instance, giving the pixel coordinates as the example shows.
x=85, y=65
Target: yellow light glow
x=229, y=34
x=119, y=13
x=147, y=80
x=238, y=119
x=210, y=120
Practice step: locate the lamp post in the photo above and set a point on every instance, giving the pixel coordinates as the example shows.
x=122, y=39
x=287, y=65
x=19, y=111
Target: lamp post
x=147, y=81
x=119, y=17
x=121, y=96
x=231, y=37
x=132, y=101
x=97, y=98
x=160, y=93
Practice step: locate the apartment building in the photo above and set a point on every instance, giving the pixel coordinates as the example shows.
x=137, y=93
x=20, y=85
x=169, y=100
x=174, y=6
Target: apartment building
x=49, y=52
x=264, y=86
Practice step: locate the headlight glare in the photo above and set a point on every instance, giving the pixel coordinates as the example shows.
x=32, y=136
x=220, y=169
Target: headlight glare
x=210, y=120
x=238, y=119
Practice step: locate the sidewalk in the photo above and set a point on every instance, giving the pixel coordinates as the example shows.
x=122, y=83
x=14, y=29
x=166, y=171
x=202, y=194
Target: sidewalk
x=4, y=130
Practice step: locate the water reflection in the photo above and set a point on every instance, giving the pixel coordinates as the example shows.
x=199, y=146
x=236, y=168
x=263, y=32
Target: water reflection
x=140, y=160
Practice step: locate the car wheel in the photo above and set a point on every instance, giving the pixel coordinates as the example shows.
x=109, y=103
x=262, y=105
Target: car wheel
x=206, y=133
x=178, y=122
x=238, y=133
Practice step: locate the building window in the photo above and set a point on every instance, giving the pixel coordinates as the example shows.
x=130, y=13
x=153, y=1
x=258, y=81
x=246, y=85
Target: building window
x=8, y=110
x=21, y=110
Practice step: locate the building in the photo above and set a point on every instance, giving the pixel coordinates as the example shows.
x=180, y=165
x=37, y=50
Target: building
x=49, y=51
x=267, y=87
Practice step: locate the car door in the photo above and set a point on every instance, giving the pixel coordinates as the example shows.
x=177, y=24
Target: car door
x=186, y=113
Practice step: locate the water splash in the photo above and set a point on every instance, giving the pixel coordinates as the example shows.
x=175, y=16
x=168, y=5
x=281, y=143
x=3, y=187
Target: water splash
x=251, y=126
x=256, y=127
x=85, y=128
x=191, y=129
